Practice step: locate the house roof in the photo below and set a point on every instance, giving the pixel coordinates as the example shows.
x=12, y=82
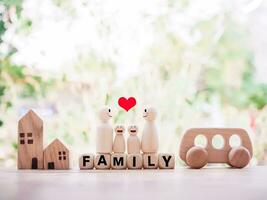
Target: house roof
x=31, y=116
x=31, y=122
x=57, y=143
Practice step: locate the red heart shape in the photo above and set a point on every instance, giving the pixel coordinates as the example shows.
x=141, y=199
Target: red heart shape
x=127, y=104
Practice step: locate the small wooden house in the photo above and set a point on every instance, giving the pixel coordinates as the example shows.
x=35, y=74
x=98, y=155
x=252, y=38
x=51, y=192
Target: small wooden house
x=30, y=141
x=56, y=156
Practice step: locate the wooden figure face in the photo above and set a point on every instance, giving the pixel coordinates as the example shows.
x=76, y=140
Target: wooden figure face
x=150, y=114
x=133, y=129
x=119, y=129
x=105, y=114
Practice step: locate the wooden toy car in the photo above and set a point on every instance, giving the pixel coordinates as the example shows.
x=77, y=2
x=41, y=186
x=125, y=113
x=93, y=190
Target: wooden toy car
x=198, y=157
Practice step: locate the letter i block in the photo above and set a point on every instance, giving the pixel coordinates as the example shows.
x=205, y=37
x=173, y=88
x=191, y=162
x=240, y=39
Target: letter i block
x=150, y=160
x=134, y=161
x=86, y=161
x=102, y=161
x=118, y=161
x=166, y=161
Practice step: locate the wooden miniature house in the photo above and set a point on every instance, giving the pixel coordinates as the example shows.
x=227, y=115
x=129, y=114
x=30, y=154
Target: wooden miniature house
x=56, y=156
x=30, y=141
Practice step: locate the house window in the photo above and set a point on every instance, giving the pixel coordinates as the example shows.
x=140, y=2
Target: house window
x=29, y=137
x=22, y=138
x=62, y=155
x=25, y=138
x=30, y=141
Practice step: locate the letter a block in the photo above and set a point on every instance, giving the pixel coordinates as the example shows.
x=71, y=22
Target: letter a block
x=150, y=161
x=166, y=161
x=86, y=161
x=102, y=161
x=118, y=161
x=134, y=161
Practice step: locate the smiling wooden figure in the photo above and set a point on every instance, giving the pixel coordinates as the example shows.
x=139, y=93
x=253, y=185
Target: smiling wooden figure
x=119, y=141
x=150, y=140
x=104, y=137
x=133, y=142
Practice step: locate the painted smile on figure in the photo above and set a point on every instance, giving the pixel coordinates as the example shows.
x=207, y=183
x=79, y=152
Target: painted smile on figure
x=119, y=129
x=133, y=129
x=109, y=112
x=145, y=113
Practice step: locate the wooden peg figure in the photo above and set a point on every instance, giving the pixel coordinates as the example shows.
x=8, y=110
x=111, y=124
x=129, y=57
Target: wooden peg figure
x=133, y=142
x=149, y=143
x=104, y=137
x=119, y=141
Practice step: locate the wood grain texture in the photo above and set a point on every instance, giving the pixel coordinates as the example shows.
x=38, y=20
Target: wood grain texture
x=102, y=161
x=134, y=161
x=166, y=161
x=56, y=156
x=150, y=161
x=239, y=157
x=86, y=161
x=30, y=141
x=118, y=161
x=197, y=157
x=214, y=155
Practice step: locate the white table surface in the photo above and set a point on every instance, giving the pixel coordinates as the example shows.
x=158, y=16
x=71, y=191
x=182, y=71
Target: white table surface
x=185, y=184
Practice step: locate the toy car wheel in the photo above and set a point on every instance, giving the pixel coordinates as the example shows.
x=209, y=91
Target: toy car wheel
x=197, y=157
x=238, y=157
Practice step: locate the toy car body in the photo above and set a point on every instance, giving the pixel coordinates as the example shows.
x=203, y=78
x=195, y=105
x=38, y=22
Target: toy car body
x=198, y=157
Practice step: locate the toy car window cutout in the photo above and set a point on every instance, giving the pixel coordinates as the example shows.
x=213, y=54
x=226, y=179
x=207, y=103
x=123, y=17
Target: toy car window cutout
x=218, y=141
x=235, y=141
x=200, y=141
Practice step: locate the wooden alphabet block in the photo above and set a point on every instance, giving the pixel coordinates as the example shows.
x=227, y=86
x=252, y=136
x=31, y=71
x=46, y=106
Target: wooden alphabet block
x=86, y=161
x=150, y=161
x=166, y=161
x=134, y=161
x=56, y=156
x=118, y=161
x=102, y=161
